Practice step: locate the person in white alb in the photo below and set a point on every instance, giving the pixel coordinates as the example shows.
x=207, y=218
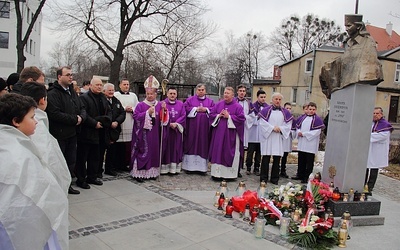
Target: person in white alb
x=246, y=104
x=253, y=149
x=378, y=155
x=287, y=143
x=129, y=101
x=308, y=130
x=275, y=126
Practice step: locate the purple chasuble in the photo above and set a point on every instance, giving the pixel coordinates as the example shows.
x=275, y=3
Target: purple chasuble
x=317, y=122
x=382, y=125
x=196, y=136
x=145, y=143
x=223, y=139
x=266, y=113
x=172, y=138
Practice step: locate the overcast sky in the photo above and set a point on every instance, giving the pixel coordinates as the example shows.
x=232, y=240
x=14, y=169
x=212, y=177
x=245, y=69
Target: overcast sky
x=242, y=16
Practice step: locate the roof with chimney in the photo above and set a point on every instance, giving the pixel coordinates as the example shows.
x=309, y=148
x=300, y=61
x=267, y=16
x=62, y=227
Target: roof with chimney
x=386, y=38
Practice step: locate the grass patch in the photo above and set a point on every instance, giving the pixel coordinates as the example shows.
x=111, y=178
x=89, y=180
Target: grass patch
x=393, y=171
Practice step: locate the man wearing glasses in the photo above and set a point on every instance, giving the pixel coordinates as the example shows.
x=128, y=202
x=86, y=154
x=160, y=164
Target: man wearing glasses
x=65, y=114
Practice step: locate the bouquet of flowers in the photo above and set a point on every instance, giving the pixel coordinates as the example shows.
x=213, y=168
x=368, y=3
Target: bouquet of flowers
x=307, y=230
x=313, y=232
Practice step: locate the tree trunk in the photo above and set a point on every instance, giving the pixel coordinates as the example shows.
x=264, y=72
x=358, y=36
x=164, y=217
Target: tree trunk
x=20, y=57
x=115, y=68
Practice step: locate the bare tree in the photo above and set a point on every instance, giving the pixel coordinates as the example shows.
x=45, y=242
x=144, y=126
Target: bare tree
x=23, y=37
x=251, y=47
x=182, y=37
x=282, y=39
x=315, y=32
x=114, y=25
x=296, y=36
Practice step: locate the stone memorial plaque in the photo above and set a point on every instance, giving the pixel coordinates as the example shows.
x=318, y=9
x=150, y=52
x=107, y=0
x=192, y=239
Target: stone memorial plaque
x=347, y=143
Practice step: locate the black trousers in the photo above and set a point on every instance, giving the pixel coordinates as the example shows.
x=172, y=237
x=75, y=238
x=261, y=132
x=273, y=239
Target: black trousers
x=123, y=155
x=264, y=174
x=68, y=148
x=370, y=178
x=283, y=162
x=253, y=151
x=111, y=157
x=102, y=151
x=87, y=164
x=306, y=165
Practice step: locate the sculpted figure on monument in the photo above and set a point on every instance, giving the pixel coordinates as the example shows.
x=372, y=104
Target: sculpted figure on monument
x=358, y=64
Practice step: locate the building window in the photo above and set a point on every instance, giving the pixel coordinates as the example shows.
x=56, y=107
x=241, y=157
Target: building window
x=294, y=95
x=4, y=40
x=273, y=89
x=28, y=14
x=309, y=63
x=30, y=46
x=4, y=9
x=397, y=73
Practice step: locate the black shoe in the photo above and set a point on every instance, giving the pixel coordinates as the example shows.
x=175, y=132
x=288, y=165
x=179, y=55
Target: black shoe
x=304, y=181
x=97, y=182
x=296, y=178
x=83, y=184
x=257, y=173
x=111, y=172
x=140, y=180
x=274, y=182
x=240, y=175
x=71, y=190
x=284, y=175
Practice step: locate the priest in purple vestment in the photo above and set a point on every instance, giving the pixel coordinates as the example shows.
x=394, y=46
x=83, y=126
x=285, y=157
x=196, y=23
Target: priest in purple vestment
x=173, y=134
x=226, y=146
x=145, y=155
x=196, y=136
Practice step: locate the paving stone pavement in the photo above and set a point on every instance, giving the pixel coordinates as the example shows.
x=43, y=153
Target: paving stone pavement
x=125, y=214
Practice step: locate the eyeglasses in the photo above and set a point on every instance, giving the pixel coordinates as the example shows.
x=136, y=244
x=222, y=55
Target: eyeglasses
x=68, y=75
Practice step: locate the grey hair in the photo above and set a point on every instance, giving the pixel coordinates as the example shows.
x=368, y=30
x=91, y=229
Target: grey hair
x=276, y=94
x=200, y=85
x=105, y=87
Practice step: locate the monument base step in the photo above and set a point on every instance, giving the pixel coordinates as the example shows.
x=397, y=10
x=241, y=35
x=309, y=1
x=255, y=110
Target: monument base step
x=371, y=206
x=360, y=221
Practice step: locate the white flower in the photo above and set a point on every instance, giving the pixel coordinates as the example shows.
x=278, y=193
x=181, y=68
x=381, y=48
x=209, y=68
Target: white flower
x=278, y=222
x=309, y=228
x=314, y=218
x=302, y=229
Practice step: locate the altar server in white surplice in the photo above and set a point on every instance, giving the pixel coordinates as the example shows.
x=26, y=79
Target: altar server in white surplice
x=275, y=126
x=129, y=101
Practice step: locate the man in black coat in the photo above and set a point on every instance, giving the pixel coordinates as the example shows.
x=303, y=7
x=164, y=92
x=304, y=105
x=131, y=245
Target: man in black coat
x=118, y=117
x=66, y=113
x=92, y=135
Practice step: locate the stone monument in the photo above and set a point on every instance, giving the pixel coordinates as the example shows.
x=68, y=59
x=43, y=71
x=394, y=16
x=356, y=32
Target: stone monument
x=350, y=82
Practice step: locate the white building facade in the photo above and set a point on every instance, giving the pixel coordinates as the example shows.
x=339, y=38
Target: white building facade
x=8, y=35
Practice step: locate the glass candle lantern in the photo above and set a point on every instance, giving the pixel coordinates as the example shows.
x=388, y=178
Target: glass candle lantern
x=342, y=235
x=241, y=188
x=223, y=188
x=336, y=194
x=259, y=226
x=216, y=198
x=284, y=225
x=262, y=191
